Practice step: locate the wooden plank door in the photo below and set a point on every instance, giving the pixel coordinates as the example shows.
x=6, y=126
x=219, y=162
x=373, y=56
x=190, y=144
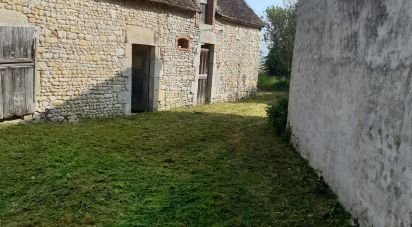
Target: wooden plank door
x=202, y=91
x=17, y=50
x=141, y=78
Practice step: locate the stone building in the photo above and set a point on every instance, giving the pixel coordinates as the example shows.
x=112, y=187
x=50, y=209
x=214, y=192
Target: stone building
x=351, y=103
x=63, y=59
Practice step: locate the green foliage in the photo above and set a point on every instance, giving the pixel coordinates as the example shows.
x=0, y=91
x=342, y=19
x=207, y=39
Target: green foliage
x=272, y=83
x=278, y=117
x=282, y=84
x=213, y=165
x=280, y=34
x=266, y=83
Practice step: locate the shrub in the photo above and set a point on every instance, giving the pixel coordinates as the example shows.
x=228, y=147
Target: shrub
x=266, y=83
x=278, y=118
x=272, y=83
x=281, y=84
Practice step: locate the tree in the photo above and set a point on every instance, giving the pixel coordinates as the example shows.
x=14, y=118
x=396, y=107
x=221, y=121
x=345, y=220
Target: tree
x=280, y=36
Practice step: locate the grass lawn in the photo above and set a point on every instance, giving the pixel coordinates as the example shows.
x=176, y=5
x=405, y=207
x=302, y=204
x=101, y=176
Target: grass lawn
x=216, y=165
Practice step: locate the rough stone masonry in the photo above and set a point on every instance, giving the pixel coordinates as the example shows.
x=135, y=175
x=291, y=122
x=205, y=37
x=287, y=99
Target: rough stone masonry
x=351, y=103
x=84, y=47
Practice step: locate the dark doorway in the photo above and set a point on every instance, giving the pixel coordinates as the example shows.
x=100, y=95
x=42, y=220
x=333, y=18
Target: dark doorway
x=141, y=62
x=205, y=75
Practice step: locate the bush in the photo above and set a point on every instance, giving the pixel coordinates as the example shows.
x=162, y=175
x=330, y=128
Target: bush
x=281, y=85
x=265, y=82
x=272, y=83
x=278, y=117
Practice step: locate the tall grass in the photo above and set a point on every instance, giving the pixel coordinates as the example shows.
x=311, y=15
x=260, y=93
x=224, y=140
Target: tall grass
x=272, y=83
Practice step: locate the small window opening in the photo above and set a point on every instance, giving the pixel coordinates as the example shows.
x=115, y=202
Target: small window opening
x=183, y=43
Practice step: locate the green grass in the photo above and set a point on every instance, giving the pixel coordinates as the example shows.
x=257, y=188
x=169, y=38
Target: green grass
x=271, y=83
x=216, y=165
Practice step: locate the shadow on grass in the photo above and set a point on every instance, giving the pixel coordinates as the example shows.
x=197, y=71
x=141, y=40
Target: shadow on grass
x=159, y=169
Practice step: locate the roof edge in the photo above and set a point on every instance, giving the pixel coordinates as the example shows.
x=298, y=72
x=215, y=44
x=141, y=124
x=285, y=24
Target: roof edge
x=190, y=7
x=237, y=21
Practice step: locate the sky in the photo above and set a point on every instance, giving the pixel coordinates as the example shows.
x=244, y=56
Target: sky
x=260, y=5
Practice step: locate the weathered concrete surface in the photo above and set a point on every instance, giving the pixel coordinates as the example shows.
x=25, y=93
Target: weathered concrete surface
x=351, y=103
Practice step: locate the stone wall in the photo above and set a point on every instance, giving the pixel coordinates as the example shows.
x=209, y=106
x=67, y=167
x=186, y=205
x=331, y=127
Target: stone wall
x=351, y=103
x=82, y=46
x=83, y=55
x=237, y=62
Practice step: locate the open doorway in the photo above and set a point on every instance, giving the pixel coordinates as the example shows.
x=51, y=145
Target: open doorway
x=205, y=74
x=141, y=78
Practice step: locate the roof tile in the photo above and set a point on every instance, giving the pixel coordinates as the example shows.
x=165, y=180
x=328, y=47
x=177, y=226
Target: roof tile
x=182, y=4
x=238, y=11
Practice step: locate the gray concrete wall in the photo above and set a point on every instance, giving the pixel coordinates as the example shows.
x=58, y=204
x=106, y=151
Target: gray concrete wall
x=351, y=103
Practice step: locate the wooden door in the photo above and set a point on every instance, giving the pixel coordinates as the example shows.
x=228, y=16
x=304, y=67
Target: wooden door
x=203, y=89
x=140, y=78
x=17, y=52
